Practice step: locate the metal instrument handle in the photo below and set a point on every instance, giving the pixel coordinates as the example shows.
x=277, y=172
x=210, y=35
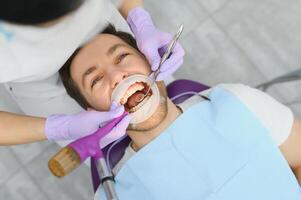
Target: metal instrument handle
x=165, y=57
x=107, y=179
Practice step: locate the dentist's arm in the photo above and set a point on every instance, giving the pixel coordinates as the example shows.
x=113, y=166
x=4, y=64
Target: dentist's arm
x=20, y=129
x=127, y=5
x=291, y=149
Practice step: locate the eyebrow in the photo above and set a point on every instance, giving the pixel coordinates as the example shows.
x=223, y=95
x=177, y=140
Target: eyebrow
x=113, y=48
x=86, y=73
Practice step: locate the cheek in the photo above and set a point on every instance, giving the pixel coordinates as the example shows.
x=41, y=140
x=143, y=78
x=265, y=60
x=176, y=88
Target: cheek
x=146, y=68
x=140, y=66
x=100, y=100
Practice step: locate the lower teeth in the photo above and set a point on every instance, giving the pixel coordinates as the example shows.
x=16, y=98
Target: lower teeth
x=134, y=109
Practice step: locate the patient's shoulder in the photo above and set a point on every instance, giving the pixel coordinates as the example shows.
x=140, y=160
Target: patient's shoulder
x=275, y=116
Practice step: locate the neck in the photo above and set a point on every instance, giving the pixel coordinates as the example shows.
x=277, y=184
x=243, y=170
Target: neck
x=140, y=139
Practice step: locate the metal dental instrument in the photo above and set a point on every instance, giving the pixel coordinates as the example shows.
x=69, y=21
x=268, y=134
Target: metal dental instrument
x=165, y=57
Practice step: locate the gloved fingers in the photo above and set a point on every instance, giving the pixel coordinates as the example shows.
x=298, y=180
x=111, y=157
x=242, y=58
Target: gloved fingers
x=114, y=105
x=172, y=63
x=165, y=39
x=175, y=59
x=121, y=126
x=101, y=118
x=176, y=55
x=115, y=111
x=177, y=48
x=117, y=132
x=151, y=48
x=170, y=71
x=155, y=60
x=152, y=55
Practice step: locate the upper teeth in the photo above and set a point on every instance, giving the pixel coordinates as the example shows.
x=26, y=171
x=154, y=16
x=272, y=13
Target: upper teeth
x=132, y=89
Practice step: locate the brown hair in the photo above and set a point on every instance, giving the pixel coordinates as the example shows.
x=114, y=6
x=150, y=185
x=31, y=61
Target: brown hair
x=65, y=72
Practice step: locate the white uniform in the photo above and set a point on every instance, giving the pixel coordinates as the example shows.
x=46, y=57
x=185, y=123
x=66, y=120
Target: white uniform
x=30, y=58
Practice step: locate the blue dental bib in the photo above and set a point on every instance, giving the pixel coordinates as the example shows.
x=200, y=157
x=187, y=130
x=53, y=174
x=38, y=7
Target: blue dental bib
x=216, y=150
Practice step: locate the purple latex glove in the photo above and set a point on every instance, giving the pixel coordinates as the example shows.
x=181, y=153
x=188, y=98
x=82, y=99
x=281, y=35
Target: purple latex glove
x=68, y=127
x=117, y=132
x=153, y=43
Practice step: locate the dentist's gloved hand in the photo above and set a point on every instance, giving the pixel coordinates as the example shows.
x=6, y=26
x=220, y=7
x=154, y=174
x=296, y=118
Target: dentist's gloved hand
x=153, y=43
x=117, y=132
x=69, y=127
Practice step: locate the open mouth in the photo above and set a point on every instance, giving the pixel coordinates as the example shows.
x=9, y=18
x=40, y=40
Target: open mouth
x=134, y=98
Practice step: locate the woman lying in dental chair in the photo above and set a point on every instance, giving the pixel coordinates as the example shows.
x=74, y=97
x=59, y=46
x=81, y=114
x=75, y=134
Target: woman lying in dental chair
x=229, y=142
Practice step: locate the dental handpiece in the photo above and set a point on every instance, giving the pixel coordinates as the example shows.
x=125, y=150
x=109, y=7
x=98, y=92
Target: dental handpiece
x=165, y=56
x=71, y=156
x=107, y=179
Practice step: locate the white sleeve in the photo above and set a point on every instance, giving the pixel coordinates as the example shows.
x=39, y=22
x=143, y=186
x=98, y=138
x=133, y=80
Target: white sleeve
x=276, y=117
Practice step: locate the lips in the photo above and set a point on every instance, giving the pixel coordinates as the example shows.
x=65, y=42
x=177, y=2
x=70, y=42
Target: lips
x=135, y=97
x=123, y=94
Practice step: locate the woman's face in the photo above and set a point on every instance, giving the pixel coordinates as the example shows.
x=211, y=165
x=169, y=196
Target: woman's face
x=102, y=64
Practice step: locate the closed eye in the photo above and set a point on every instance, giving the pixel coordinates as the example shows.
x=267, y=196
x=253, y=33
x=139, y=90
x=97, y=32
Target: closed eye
x=95, y=80
x=121, y=57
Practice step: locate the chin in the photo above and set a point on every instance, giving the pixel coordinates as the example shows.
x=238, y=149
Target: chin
x=154, y=121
